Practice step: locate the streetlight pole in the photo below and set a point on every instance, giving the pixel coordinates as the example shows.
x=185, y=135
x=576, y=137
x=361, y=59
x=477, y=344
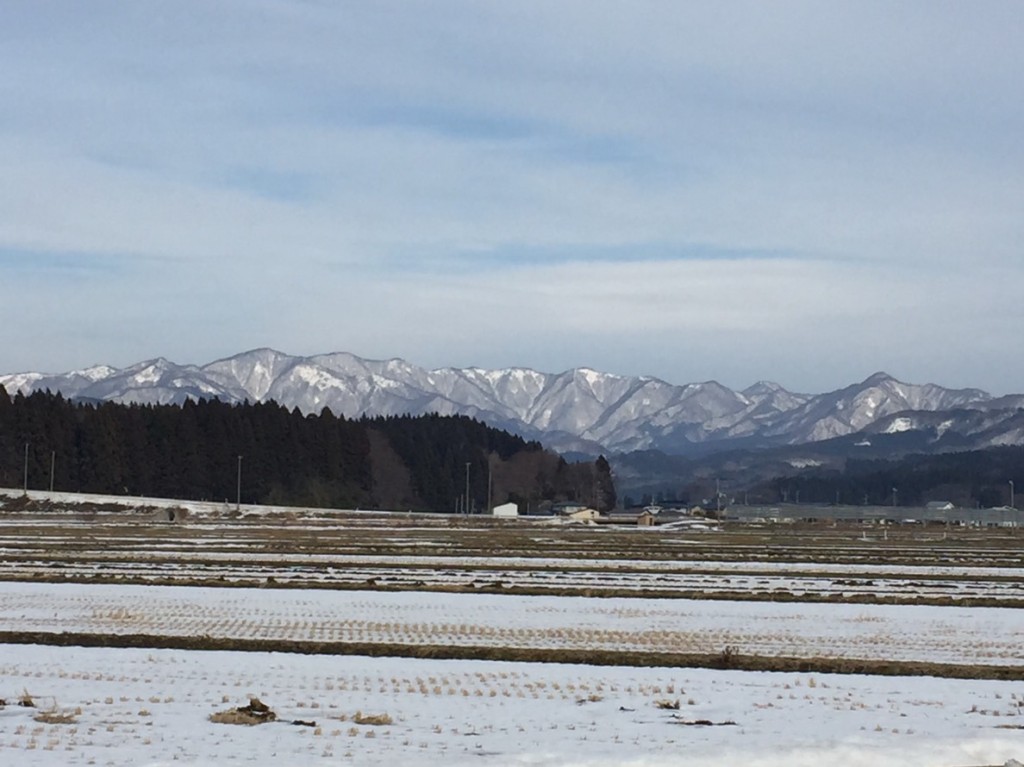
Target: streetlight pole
x=238, y=491
x=467, y=486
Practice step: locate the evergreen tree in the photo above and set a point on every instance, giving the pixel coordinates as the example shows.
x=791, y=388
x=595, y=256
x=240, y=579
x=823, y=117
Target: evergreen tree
x=605, y=497
x=191, y=451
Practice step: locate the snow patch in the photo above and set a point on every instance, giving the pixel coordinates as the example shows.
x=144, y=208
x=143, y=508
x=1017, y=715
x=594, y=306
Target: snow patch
x=96, y=373
x=899, y=425
x=22, y=382
x=148, y=375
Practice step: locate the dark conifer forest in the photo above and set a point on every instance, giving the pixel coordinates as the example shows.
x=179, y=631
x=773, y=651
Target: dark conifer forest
x=199, y=450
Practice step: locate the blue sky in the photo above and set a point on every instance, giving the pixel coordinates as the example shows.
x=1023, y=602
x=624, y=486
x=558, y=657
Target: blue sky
x=795, y=191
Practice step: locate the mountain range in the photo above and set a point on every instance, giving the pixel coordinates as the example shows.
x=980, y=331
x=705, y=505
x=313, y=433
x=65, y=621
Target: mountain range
x=579, y=410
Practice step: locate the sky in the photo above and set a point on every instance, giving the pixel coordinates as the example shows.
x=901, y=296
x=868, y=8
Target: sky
x=801, y=192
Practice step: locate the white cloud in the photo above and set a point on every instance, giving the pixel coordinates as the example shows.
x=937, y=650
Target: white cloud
x=324, y=176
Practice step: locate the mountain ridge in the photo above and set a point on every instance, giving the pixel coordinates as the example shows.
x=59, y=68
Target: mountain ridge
x=580, y=409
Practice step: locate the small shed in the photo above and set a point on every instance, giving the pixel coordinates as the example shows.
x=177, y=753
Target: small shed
x=506, y=510
x=647, y=518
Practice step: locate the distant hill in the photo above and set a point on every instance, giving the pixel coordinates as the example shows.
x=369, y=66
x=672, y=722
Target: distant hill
x=848, y=470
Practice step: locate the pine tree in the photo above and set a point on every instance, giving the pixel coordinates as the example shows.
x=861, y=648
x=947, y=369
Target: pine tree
x=604, y=493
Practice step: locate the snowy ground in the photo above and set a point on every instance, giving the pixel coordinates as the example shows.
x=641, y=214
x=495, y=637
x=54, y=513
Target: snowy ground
x=894, y=582
x=151, y=707
x=964, y=635
x=361, y=551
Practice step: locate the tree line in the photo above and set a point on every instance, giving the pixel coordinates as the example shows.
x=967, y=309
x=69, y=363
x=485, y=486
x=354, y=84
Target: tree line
x=972, y=478
x=264, y=453
x=976, y=478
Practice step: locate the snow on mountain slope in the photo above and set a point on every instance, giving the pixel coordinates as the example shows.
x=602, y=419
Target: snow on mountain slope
x=579, y=407
x=254, y=372
x=971, y=428
x=68, y=383
x=855, y=407
x=25, y=383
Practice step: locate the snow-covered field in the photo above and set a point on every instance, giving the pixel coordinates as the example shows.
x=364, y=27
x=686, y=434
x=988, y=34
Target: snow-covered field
x=894, y=582
x=527, y=558
x=987, y=636
x=151, y=707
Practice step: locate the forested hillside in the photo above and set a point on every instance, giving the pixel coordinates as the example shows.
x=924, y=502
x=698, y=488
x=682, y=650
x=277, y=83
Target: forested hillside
x=976, y=478
x=199, y=450
x=968, y=479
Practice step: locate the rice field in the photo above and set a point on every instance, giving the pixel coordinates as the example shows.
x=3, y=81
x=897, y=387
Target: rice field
x=160, y=707
x=437, y=553
x=411, y=639
x=971, y=636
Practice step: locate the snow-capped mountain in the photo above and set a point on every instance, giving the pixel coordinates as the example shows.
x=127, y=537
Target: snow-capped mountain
x=580, y=409
x=859, y=405
x=955, y=429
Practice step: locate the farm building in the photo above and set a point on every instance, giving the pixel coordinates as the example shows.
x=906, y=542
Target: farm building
x=566, y=508
x=582, y=514
x=506, y=510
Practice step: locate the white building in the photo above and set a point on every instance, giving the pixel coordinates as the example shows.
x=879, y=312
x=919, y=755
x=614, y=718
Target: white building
x=506, y=510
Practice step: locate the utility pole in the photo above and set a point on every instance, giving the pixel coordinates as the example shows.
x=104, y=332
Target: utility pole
x=894, y=496
x=25, y=487
x=490, y=486
x=238, y=491
x=53, y=461
x=467, y=486
x=1011, y=494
